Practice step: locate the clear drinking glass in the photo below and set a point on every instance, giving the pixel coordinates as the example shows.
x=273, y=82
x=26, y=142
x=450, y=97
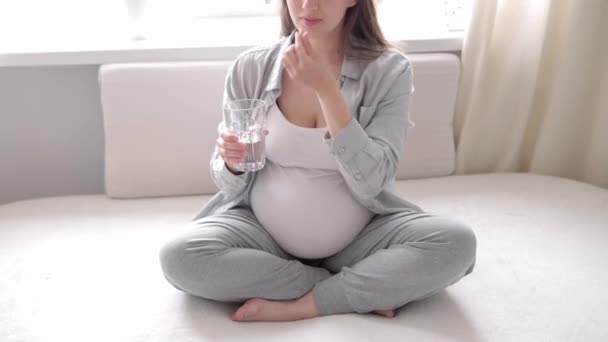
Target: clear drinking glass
x=247, y=119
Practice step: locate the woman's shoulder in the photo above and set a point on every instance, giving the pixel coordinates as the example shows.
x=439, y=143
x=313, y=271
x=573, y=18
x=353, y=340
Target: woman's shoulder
x=259, y=55
x=390, y=74
x=390, y=62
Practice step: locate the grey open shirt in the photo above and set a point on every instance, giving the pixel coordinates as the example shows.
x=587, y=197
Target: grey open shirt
x=367, y=149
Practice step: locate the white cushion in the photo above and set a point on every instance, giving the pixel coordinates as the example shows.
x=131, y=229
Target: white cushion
x=161, y=120
x=86, y=268
x=430, y=148
x=160, y=124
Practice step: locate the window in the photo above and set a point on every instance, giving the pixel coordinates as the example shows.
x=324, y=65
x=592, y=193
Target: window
x=401, y=19
x=201, y=9
x=457, y=14
x=409, y=15
x=43, y=23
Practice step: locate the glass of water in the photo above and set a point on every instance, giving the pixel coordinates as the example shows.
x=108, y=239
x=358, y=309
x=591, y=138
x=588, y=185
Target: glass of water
x=247, y=119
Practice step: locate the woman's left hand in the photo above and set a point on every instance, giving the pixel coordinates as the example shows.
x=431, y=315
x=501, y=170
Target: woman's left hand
x=305, y=65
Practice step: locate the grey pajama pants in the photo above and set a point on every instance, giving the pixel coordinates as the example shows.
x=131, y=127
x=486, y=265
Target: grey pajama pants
x=397, y=258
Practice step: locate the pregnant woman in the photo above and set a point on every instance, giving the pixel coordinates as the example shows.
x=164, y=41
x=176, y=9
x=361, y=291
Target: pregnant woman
x=319, y=230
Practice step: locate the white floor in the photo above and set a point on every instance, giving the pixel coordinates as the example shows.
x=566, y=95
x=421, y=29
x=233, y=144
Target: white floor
x=85, y=268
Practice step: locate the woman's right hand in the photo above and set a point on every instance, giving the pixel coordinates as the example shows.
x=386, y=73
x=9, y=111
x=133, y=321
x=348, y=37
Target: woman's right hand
x=231, y=150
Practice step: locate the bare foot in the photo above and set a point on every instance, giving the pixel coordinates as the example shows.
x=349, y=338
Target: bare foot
x=386, y=313
x=258, y=309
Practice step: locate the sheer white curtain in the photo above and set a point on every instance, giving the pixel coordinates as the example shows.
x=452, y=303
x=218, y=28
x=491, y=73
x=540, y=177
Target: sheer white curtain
x=534, y=89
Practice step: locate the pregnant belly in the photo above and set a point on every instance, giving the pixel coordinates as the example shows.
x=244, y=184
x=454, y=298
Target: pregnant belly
x=310, y=213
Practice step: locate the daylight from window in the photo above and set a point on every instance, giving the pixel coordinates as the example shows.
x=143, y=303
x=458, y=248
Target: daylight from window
x=48, y=22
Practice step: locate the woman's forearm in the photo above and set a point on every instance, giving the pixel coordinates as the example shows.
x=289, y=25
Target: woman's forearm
x=336, y=112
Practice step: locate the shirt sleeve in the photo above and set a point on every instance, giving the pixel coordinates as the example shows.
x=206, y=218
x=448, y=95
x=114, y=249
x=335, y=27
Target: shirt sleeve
x=369, y=158
x=238, y=85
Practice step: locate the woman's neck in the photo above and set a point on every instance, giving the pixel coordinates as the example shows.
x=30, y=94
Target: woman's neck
x=330, y=46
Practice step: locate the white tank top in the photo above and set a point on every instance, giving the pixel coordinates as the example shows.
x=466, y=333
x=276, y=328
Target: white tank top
x=300, y=197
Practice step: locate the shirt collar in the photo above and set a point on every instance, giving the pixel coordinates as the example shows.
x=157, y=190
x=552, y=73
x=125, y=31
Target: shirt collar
x=351, y=67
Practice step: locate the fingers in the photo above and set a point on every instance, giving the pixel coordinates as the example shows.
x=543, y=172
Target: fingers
x=233, y=160
x=306, y=43
x=297, y=55
x=291, y=56
x=232, y=155
x=288, y=62
x=290, y=71
x=231, y=150
x=301, y=48
x=226, y=136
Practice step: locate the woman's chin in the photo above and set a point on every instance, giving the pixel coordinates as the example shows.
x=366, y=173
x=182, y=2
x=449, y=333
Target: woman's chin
x=310, y=32
x=313, y=35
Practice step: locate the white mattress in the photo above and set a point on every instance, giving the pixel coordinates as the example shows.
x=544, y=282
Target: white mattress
x=85, y=268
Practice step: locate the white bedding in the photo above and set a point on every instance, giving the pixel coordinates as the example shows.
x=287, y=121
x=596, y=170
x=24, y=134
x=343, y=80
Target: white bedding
x=85, y=268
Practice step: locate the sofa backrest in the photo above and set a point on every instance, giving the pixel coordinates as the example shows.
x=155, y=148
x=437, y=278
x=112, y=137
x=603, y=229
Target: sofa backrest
x=160, y=124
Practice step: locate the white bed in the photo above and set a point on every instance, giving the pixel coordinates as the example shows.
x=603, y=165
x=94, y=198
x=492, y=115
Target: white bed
x=86, y=268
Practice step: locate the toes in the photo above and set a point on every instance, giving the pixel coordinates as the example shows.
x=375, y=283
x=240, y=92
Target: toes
x=246, y=311
x=386, y=313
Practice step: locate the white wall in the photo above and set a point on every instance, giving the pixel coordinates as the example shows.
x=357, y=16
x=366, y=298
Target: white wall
x=51, y=132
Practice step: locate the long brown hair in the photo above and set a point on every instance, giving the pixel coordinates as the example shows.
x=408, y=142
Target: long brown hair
x=363, y=37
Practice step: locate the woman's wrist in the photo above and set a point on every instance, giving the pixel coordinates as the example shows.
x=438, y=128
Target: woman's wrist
x=234, y=172
x=327, y=88
x=335, y=110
